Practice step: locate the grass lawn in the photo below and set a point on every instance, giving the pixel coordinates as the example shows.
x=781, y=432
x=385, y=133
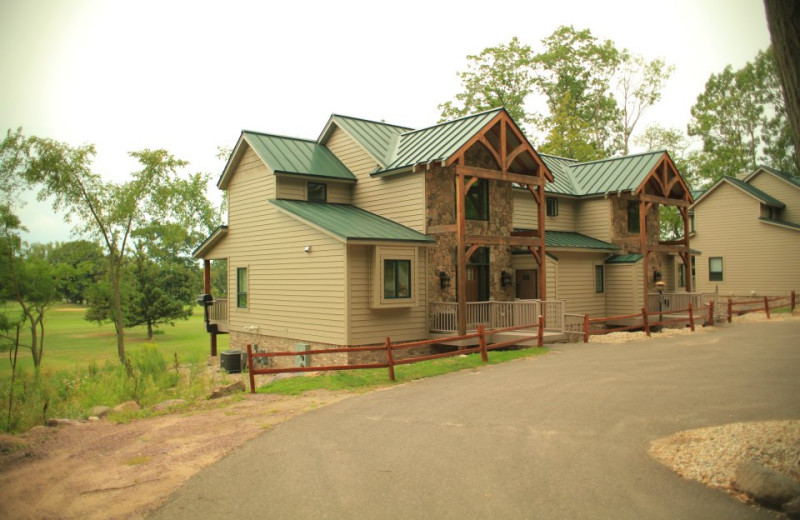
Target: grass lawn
x=71, y=341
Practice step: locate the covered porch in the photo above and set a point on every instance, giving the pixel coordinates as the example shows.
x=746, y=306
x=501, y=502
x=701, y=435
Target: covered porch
x=444, y=320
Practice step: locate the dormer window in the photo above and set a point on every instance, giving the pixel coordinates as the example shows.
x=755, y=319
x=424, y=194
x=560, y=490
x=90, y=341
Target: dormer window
x=316, y=192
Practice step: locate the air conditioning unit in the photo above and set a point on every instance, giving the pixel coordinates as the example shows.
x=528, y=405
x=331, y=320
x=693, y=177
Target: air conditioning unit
x=302, y=360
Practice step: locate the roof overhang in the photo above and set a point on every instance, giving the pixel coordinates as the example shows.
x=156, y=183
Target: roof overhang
x=665, y=182
x=210, y=243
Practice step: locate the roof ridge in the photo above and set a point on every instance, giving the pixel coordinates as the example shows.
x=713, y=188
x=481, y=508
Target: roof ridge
x=653, y=152
x=372, y=121
x=443, y=123
x=541, y=154
x=265, y=134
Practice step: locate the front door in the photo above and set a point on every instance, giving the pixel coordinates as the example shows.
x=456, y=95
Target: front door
x=478, y=276
x=527, y=284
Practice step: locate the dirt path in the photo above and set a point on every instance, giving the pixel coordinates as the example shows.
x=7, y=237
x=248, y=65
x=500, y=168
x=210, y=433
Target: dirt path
x=99, y=469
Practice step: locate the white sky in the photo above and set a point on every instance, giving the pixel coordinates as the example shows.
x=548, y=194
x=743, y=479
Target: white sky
x=188, y=76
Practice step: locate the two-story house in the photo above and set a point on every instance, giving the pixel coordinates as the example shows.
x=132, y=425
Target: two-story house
x=748, y=229
x=376, y=230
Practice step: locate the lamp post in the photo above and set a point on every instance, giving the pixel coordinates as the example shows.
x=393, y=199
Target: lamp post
x=660, y=286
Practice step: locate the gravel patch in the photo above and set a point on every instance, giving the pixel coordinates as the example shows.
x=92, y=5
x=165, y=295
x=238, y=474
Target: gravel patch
x=711, y=455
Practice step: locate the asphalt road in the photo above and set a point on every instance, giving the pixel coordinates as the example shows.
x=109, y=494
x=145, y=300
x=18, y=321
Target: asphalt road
x=561, y=436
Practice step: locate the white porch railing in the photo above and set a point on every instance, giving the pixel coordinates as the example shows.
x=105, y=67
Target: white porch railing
x=497, y=314
x=678, y=301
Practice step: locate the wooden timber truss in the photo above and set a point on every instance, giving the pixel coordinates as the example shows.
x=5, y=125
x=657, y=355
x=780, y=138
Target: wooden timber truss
x=517, y=162
x=664, y=185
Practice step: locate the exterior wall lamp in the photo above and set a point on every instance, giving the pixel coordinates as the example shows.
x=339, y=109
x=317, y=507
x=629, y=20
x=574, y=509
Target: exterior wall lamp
x=505, y=279
x=444, y=280
x=656, y=277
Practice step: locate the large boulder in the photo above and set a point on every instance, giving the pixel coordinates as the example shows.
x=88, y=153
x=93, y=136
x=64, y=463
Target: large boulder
x=230, y=389
x=128, y=406
x=99, y=411
x=766, y=486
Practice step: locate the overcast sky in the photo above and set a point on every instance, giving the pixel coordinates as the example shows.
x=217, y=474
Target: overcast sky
x=188, y=76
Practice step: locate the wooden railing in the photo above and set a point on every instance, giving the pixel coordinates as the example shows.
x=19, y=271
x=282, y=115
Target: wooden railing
x=642, y=320
x=218, y=311
x=497, y=314
x=390, y=348
x=765, y=304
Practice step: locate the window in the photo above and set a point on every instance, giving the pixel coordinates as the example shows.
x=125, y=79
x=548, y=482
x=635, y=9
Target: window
x=633, y=216
x=317, y=192
x=599, y=279
x=691, y=223
x=715, y=269
x=393, y=277
x=241, y=287
x=396, y=279
x=681, y=275
x=477, y=201
x=552, y=206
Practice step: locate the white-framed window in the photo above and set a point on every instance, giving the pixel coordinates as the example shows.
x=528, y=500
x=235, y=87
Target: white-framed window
x=681, y=275
x=393, y=277
x=715, y=269
x=241, y=287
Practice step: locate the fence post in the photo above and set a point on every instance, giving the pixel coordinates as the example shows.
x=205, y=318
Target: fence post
x=691, y=317
x=586, y=328
x=766, y=306
x=250, y=367
x=645, y=321
x=540, y=341
x=730, y=310
x=390, y=358
x=482, y=343
x=710, y=313
x=792, y=301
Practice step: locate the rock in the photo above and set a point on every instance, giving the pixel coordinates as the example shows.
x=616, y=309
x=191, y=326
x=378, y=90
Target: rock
x=129, y=406
x=61, y=422
x=765, y=485
x=223, y=391
x=792, y=509
x=167, y=404
x=99, y=411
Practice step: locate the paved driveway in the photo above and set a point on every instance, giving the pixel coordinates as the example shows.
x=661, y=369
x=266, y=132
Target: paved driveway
x=562, y=436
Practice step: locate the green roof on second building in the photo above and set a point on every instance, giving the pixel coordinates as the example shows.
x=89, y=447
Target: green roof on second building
x=348, y=222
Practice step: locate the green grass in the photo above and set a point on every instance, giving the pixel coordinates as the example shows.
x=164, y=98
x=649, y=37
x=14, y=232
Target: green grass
x=70, y=341
x=368, y=379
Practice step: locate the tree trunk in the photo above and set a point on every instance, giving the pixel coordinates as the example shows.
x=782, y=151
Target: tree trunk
x=149, y=331
x=783, y=19
x=34, y=343
x=114, y=274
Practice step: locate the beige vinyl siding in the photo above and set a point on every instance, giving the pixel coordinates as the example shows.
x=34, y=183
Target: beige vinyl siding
x=781, y=190
x=290, y=293
x=756, y=256
x=371, y=326
x=526, y=213
x=294, y=188
x=528, y=262
x=576, y=283
x=399, y=197
x=594, y=218
x=623, y=289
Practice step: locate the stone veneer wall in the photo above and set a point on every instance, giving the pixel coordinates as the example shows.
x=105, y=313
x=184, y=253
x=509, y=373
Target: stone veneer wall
x=440, y=206
x=629, y=242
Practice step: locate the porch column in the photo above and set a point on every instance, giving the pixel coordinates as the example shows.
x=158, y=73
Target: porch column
x=542, y=252
x=687, y=255
x=461, y=259
x=206, y=276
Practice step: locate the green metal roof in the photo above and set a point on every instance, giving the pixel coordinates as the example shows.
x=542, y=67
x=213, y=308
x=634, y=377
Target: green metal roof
x=630, y=258
x=755, y=192
x=569, y=239
x=349, y=222
x=610, y=175
x=379, y=139
x=572, y=240
x=784, y=223
x=297, y=156
x=561, y=169
x=436, y=143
